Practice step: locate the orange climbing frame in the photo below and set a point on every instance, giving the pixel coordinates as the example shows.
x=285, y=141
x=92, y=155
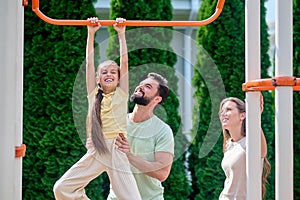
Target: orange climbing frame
x=219, y=7
x=271, y=83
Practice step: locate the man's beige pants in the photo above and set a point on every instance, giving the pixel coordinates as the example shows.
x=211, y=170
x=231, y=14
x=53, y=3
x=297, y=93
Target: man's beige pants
x=71, y=185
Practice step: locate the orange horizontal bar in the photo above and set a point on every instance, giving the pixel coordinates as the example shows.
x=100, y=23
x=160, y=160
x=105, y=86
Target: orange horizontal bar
x=219, y=7
x=271, y=83
x=20, y=151
x=284, y=81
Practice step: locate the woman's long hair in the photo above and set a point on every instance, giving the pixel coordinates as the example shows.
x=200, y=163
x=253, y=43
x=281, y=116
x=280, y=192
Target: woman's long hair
x=240, y=105
x=97, y=134
x=265, y=173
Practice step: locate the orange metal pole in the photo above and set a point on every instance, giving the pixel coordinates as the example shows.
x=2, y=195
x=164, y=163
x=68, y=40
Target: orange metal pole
x=65, y=22
x=271, y=83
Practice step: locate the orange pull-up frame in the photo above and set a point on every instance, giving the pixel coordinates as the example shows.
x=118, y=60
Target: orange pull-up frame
x=219, y=7
x=271, y=83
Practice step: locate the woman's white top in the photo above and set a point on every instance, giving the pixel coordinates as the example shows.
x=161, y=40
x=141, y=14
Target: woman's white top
x=234, y=166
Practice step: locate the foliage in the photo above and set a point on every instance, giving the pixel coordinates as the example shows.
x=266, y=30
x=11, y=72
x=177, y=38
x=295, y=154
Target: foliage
x=222, y=46
x=52, y=57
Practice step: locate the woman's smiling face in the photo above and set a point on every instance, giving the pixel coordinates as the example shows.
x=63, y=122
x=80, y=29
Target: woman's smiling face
x=230, y=116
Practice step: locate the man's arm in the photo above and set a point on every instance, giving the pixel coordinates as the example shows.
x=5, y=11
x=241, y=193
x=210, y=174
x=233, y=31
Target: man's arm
x=159, y=168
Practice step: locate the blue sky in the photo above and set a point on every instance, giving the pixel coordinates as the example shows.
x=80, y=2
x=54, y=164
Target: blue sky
x=270, y=5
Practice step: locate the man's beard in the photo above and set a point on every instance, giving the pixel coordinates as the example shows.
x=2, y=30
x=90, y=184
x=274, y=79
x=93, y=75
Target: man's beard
x=140, y=100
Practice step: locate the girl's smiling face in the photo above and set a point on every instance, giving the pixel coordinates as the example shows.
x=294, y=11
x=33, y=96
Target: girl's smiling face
x=108, y=77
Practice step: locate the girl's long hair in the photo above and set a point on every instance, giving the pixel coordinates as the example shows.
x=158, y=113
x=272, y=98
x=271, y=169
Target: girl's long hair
x=97, y=134
x=240, y=105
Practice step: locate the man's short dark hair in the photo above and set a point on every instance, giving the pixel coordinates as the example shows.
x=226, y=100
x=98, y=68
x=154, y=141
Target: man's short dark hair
x=163, y=89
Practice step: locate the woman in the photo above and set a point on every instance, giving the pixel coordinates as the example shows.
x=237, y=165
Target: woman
x=233, y=119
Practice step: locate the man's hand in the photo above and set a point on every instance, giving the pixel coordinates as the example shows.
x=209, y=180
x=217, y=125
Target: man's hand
x=122, y=144
x=89, y=143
